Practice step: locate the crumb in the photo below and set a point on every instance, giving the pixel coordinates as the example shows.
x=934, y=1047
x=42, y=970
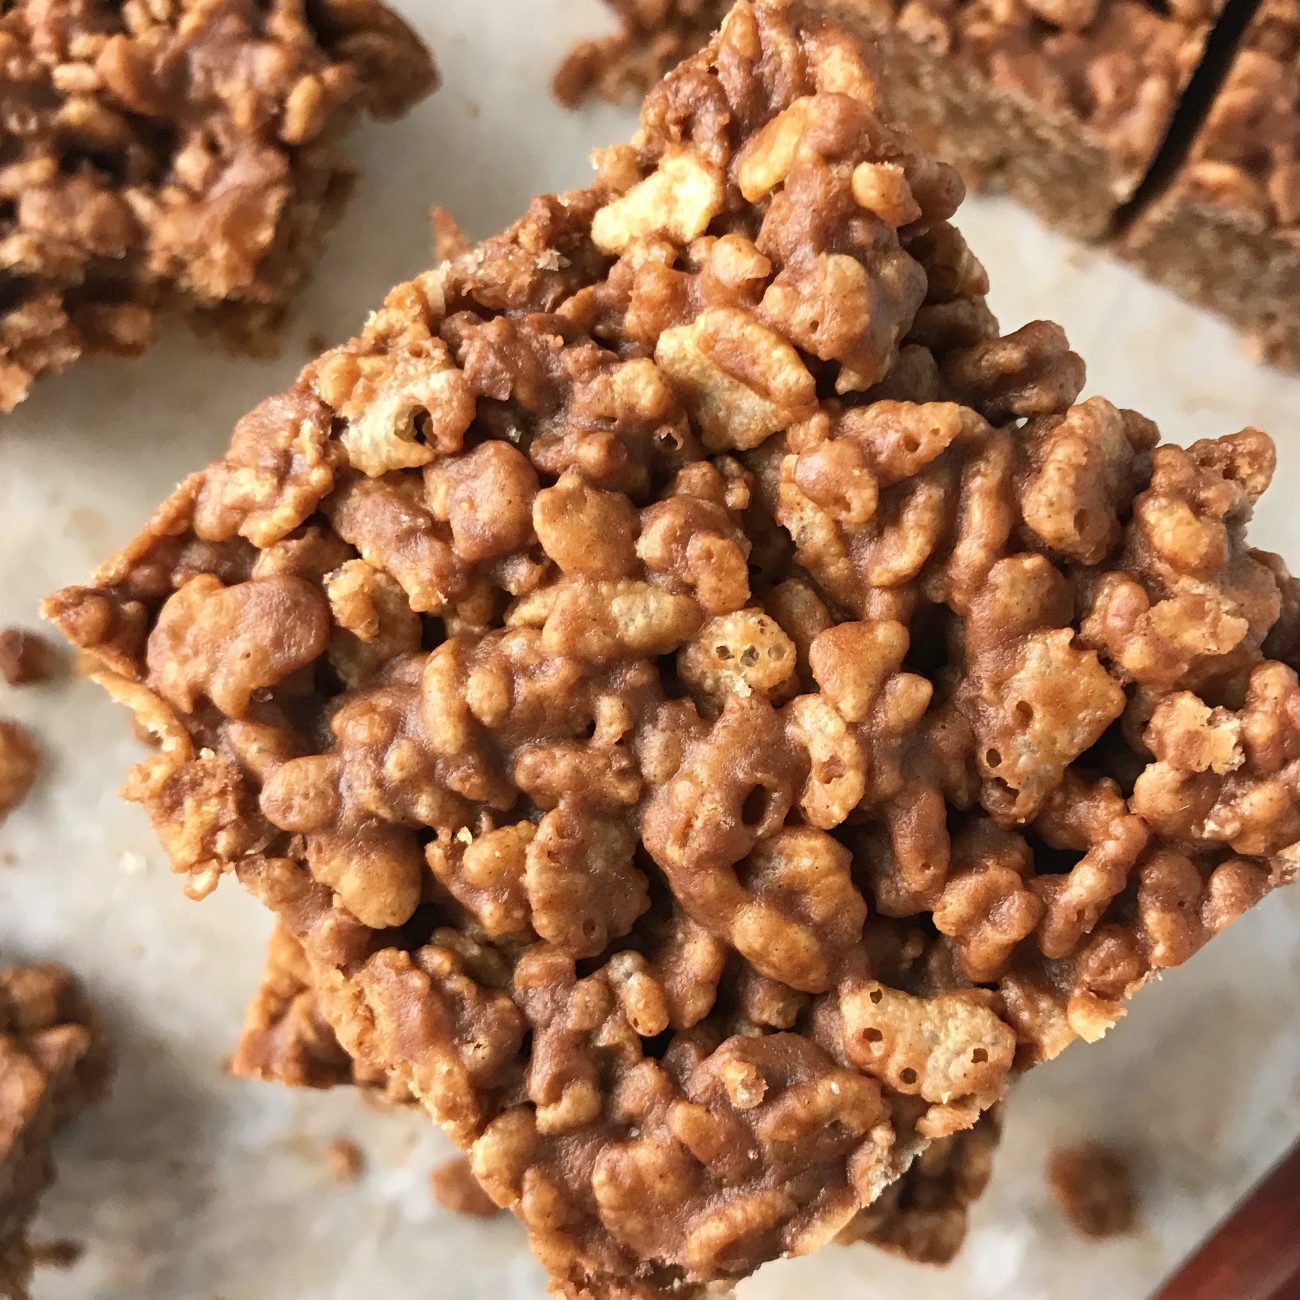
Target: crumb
x=1075, y=258
x=316, y=343
x=456, y=1189
x=25, y=656
x=1252, y=347
x=18, y=759
x=449, y=240
x=63, y=1253
x=1093, y=1185
x=346, y=1160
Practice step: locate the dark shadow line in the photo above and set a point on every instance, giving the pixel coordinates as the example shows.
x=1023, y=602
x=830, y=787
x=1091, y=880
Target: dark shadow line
x=1194, y=107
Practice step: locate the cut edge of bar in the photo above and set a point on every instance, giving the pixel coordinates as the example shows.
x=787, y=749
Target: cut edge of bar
x=1217, y=61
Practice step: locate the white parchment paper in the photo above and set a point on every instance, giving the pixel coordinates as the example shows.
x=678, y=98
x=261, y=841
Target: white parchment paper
x=189, y=1185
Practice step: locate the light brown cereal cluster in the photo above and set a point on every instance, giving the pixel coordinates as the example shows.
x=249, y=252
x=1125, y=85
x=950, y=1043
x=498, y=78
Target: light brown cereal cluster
x=1093, y=1185
x=19, y=759
x=707, y=704
x=54, y=1061
x=178, y=155
x=1224, y=228
x=287, y=1040
x=1117, y=67
x=1247, y=154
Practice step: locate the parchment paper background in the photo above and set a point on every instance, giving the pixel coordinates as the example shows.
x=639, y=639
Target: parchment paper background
x=189, y=1185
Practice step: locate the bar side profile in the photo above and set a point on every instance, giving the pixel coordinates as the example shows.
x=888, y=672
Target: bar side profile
x=1225, y=230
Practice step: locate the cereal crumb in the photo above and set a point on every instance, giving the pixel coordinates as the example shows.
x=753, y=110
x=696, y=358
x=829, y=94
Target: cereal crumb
x=456, y=1189
x=1093, y=1185
x=18, y=759
x=63, y=1253
x=25, y=656
x=317, y=343
x=346, y=1160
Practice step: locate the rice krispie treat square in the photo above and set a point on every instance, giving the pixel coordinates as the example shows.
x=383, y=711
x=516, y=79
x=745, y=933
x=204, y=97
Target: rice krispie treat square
x=176, y=155
x=710, y=707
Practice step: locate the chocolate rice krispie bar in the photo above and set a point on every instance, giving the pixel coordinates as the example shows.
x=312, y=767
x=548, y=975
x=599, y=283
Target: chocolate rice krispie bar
x=54, y=1061
x=176, y=155
x=710, y=706
x=1225, y=230
x=288, y=1040
x=1063, y=103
